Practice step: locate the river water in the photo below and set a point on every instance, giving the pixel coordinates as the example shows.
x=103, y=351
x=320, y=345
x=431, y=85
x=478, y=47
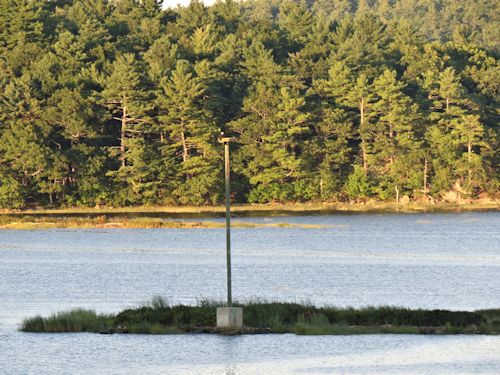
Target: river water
x=447, y=261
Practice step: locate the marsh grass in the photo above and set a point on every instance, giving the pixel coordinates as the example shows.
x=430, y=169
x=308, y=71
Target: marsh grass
x=491, y=315
x=401, y=317
x=369, y=206
x=137, y=217
x=78, y=320
x=28, y=222
x=492, y=324
x=158, y=303
x=280, y=315
x=153, y=329
x=158, y=316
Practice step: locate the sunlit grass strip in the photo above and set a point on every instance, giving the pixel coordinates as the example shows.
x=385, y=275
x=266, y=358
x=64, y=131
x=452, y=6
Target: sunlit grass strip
x=375, y=206
x=45, y=222
x=159, y=317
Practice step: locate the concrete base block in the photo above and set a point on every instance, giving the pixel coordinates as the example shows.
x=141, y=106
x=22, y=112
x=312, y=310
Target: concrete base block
x=229, y=317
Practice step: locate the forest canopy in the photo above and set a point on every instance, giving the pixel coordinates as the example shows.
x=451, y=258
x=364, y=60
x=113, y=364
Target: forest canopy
x=121, y=102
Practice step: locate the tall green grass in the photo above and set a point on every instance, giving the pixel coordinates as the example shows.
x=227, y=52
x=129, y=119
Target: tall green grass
x=78, y=320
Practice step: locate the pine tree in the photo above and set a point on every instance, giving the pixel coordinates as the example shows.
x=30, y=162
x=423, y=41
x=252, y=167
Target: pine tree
x=362, y=95
x=203, y=41
x=192, y=135
x=161, y=58
x=334, y=10
x=449, y=90
x=12, y=193
x=448, y=107
x=330, y=150
x=296, y=19
x=24, y=155
x=126, y=96
x=395, y=147
x=354, y=97
x=335, y=117
x=271, y=138
x=141, y=173
x=468, y=133
x=151, y=7
x=73, y=113
x=259, y=65
x=190, y=18
x=22, y=22
x=362, y=43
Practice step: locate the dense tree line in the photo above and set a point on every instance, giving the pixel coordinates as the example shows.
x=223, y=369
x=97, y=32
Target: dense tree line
x=121, y=102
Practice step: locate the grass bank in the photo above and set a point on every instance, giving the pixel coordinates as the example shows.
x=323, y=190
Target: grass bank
x=160, y=317
x=30, y=222
x=264, y=209
x=168, y=216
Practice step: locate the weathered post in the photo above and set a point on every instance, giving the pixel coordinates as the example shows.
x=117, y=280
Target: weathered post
x=227, y=175
x=228, y=317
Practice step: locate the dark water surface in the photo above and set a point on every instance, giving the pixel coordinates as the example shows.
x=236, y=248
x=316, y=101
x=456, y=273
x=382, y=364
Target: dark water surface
x=417, y=260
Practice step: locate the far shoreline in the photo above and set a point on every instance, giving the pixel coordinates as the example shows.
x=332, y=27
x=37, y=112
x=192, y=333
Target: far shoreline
x=191, y=217
x=271, y=208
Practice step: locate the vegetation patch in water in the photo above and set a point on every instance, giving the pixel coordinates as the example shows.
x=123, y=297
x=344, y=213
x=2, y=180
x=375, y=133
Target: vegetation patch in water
x=160, y=317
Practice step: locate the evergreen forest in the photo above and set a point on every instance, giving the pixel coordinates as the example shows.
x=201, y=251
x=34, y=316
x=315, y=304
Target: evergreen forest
x=121, y=102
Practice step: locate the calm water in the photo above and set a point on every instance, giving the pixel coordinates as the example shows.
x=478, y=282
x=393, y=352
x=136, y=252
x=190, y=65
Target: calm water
x=416, y=260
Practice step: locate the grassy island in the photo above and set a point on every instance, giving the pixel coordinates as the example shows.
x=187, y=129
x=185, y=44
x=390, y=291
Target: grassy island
x=159, y=317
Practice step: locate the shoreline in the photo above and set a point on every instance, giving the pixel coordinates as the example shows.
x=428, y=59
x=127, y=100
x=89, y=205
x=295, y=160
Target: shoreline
x=310, y=207
x=191, y=217
x=103, y=222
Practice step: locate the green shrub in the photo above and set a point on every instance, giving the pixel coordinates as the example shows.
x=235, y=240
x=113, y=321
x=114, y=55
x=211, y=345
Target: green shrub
x=357, y=185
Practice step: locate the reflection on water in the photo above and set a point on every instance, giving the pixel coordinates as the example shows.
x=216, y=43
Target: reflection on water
x=420, y=260
x=248, y=355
